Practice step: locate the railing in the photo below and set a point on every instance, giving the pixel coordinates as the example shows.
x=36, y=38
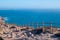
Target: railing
x=37, y=24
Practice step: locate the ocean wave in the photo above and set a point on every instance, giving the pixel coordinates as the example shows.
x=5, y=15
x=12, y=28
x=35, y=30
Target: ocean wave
x=5, y=18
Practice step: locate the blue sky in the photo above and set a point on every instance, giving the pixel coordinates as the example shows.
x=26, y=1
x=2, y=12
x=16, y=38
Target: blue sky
x=36, y=4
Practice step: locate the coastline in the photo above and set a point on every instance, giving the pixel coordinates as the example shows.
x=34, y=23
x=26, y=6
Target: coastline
x=14, y=32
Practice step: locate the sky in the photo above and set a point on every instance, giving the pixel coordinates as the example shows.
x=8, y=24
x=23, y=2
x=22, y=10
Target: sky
x=29, y=4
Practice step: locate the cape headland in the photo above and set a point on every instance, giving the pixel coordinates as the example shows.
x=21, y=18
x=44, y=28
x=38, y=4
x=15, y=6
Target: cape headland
x=14, y=32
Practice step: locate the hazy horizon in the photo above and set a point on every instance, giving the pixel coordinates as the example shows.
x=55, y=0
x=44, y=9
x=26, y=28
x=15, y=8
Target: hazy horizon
x=29, y=4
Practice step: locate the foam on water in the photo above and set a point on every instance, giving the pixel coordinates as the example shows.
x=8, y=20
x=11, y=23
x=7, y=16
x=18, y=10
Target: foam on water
x=5, y=18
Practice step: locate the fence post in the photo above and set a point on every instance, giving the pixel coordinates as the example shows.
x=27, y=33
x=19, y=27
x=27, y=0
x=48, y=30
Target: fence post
x=37, y=24
x=43, y=26
x=51, y=29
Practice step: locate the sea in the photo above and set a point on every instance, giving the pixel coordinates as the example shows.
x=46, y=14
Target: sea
x=32, y=17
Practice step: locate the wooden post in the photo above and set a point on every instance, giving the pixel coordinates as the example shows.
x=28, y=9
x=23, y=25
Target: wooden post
x=32, y=24
x=43, y=26
x=37, y=24
x=29, y=24
x=21, y=25
x=51, y=29
x=24, y=25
